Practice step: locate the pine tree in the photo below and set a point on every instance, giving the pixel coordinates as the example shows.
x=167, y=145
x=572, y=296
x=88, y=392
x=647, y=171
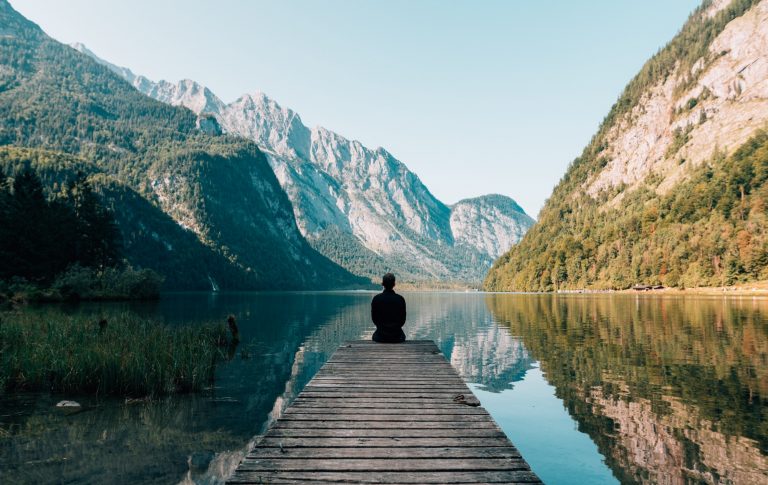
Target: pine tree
x=96, y=243
x=34, y=231
x=5, y=202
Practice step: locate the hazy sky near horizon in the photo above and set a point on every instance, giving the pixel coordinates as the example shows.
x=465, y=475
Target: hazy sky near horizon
x=475, y=97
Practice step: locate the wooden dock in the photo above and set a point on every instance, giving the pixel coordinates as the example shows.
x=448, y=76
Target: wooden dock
x=385, y=413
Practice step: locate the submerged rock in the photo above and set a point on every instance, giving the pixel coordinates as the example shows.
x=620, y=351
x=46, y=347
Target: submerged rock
x=68, y=404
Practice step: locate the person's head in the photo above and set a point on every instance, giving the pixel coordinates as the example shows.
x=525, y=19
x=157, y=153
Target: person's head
x=388, y=281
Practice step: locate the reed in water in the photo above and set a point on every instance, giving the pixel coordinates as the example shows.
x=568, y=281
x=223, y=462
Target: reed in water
x=123, y=354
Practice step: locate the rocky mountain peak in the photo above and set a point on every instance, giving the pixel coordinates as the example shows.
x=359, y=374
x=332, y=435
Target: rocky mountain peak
x=277, y=129
x=361, y=207
x=492, y=222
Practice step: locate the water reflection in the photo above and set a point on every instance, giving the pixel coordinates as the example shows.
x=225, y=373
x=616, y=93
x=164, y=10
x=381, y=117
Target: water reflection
x=671, y=390
x=285, y=339
x=667, y=390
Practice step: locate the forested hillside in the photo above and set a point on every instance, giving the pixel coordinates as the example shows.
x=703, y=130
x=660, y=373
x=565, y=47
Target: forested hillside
x=672, y=188
x=200, y=208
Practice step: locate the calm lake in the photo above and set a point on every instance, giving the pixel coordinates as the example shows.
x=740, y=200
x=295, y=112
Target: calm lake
x=590, y=388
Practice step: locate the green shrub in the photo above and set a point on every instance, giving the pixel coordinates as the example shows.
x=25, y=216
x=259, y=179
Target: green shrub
x=80, y=283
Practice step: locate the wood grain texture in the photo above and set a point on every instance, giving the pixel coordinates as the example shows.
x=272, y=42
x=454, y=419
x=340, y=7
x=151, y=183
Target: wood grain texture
x=385, y=413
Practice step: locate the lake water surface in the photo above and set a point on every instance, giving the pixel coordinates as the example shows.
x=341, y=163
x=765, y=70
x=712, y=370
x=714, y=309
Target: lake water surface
x=591, y=388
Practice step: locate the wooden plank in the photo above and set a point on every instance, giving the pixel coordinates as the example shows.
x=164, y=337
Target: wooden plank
x=393, y=397
x=351, y=409
x=385, y=414
x=381, y=464
x=376, y=366
x=373, y=418
x=404, y=369
x=425, y=371
x=335, y=381
x=384, y=425
x=385, y=433
x=405, y=477
x=380, y=378
x=421, y=442
x=361, y=388
x=391, y=452
x=314, y=384
x=380, y=401
x=403, y=358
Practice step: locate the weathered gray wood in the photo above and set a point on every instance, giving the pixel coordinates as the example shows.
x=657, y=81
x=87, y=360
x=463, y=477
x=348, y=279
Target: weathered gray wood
x=357, y=382
x=325, y=386
x=385, y=414
x=322, y=377
x=381, y=464
x=382, y=403
x=370, y=357
x=350, y=409
x=391, y=452
x=422, y=442
x=390, y=397
x=373, y=418
x=385, y=433
x=387, y=389
x=379, y=425
x=392, y=477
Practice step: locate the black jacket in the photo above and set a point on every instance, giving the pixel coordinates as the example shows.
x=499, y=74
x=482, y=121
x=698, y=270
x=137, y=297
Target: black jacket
x=388, y=314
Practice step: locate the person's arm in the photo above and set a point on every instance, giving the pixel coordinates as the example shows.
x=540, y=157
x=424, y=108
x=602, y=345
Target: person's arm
x=374, y=312
x=402, y=316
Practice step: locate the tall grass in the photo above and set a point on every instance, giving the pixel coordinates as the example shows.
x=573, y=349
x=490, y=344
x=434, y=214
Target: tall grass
x=125, y=355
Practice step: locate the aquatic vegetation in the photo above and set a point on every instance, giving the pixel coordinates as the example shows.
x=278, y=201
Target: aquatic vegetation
x=122, y=355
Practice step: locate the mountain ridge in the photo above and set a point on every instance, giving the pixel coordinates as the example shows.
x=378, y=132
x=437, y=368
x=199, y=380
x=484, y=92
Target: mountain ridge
x=347, y=195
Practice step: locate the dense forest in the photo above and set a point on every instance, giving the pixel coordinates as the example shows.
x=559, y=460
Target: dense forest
x=63, y=244
x=202, y=209
x=711, y=230
x=707, y=230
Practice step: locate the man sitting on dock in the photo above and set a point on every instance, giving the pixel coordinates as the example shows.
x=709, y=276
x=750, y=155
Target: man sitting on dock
x=388, y=313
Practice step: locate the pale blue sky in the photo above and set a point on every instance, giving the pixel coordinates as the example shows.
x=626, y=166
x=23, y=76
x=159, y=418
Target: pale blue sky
x=476, y=97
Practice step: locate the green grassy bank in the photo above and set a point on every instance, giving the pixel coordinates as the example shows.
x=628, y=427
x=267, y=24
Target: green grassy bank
x=124, y=355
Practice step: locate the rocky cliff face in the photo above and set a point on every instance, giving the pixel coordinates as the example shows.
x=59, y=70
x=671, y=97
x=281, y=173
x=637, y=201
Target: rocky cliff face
x=360, y=207
x=715, y=104
x=677, y=159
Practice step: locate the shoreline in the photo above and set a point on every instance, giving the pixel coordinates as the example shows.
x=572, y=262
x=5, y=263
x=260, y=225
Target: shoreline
x=757, y=288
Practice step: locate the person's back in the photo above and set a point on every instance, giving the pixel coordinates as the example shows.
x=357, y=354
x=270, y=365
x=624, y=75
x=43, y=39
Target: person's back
x=388, y=313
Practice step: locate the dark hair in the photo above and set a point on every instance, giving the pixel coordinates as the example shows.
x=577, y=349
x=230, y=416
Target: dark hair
x=388, y=281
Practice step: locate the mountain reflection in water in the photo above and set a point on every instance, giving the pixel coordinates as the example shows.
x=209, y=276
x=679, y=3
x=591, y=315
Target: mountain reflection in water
x=672, y=390
x=669, y=390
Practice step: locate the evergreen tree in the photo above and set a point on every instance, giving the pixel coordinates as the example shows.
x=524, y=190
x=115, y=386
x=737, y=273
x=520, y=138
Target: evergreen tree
x=38, y=237
x=96, y=242
x=5, y=201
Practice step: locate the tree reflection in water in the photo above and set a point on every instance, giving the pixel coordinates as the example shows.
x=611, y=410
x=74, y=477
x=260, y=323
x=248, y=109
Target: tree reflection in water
x=672, y=390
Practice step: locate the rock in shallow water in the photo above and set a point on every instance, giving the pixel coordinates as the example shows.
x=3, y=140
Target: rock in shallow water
x=68, y=404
